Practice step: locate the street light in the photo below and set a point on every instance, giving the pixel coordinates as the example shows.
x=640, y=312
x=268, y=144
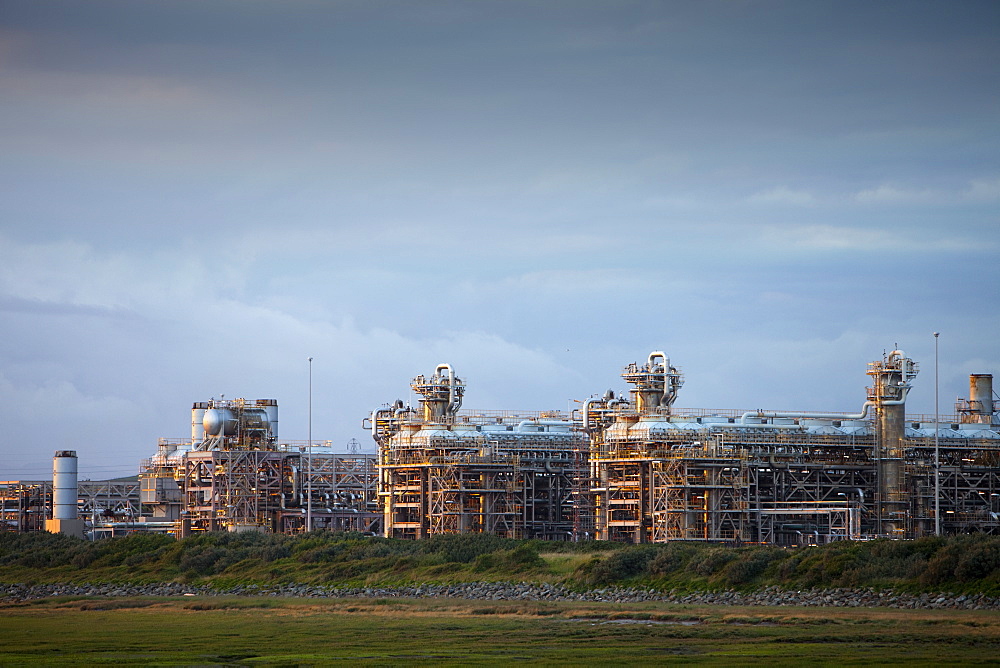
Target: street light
x=309, y=450
x=937, y=451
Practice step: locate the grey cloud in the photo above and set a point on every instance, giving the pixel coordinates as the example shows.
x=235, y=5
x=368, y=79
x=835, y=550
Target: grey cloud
x=203, y=195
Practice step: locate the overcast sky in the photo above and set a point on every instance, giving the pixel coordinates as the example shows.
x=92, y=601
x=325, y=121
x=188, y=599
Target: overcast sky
x=195, y=197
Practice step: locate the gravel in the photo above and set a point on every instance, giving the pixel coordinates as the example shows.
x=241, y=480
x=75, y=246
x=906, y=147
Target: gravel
x=506, y=591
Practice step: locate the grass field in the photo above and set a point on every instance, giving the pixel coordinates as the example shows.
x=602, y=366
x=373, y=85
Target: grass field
x=268, y=631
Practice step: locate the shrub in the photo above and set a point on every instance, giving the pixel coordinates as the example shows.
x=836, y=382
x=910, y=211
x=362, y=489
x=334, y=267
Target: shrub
x=619, y=565
x=713, y=560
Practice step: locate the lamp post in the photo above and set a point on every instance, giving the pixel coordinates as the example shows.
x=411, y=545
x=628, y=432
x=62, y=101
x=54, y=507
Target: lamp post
x=309, y=451
x=937, y=450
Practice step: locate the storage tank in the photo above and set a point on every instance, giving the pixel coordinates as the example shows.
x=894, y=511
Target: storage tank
x=198, y=421
x=64, y=487
x=64, y=496
x=270, y=407
x=981, y=395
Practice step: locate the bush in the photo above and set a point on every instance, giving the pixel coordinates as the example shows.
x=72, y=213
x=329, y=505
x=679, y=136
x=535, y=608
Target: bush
x=673, y=558
x=713, y=560
x=622, y=564
x=749, y=565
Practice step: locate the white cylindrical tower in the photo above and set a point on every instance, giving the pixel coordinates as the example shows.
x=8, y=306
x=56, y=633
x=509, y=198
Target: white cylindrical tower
x=197, y=421
x=271, y=407
x=64, y=488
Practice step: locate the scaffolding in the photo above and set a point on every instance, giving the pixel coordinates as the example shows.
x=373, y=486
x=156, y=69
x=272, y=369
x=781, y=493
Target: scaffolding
x=445, y=471
x=235, y=475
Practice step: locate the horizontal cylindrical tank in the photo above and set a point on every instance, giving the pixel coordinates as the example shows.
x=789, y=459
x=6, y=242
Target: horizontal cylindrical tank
x=220, y=422
x=64, y=487
x=227, y=422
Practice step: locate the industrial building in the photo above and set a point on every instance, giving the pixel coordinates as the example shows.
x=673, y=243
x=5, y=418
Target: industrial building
x=638, y=470
x=627, y=467
x=442, y=470
x=232, y=474
x=235, y=475
x=67, y=505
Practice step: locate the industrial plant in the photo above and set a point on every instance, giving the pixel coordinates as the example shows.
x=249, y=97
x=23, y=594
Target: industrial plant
x=626, y=467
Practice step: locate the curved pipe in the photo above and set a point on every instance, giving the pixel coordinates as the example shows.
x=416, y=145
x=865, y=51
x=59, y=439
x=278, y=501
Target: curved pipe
x=453, y=405
x=667, y=385
x=819, y=416
x=586, y=412
x=906, y=373
x=608, y=403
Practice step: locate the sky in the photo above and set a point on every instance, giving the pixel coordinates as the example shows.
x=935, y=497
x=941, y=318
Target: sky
x=196, y=197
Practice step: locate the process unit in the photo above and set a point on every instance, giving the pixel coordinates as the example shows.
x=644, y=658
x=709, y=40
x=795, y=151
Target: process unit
x=638, y=470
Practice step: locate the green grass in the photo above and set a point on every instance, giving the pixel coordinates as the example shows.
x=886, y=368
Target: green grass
x=967, y=564
x=248, y=631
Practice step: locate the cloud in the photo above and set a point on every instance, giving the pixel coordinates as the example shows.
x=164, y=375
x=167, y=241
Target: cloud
x=892, y=195
x=983, y=190
x=868, y=239
x=783, y=195
x=977, y=191
x=197, y=198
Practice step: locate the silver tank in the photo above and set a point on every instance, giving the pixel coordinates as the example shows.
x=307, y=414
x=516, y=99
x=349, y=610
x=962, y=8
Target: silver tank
x=64, y=485
x=225, y=421
x=981, y=394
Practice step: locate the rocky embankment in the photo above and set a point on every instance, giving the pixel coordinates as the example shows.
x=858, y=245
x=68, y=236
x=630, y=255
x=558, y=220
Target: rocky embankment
x=492, y=591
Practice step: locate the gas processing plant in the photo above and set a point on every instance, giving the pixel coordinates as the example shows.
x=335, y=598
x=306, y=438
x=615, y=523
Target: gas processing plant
x=234, y=475
x=628, y=467
x=638, y=470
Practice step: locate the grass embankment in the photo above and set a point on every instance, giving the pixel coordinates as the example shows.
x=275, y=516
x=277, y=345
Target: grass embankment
x=256, y=631
x=958, y=564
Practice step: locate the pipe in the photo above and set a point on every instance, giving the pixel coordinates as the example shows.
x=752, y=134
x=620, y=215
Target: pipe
x=523, y=423
x=742, y=425
x=667, y=385
x=586, y=412
x=453, y=405
x=819, y=416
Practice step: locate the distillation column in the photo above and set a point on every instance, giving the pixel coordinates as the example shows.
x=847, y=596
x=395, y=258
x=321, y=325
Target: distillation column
x=892, y=378
x=622, y=468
